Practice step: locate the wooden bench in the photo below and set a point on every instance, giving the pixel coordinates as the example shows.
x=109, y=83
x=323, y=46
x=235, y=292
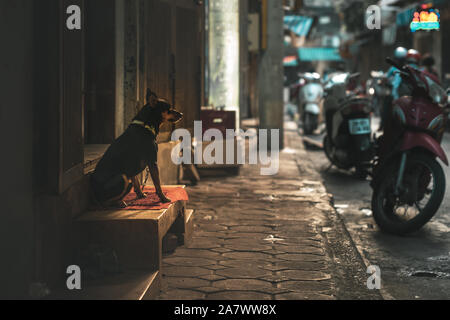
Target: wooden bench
x=136, y=237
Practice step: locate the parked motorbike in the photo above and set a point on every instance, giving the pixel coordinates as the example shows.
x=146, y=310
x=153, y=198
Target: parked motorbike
x=294, y=98
x=379, y=90
x=408, y=181
x=311, y=94
x=348, y=143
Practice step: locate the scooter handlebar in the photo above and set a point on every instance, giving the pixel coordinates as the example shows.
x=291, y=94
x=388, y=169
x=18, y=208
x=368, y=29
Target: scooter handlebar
x=404, y=72
x=394, y=63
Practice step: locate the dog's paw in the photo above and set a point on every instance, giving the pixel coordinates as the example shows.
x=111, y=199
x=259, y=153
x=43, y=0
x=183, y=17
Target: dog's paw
x=164, y=199
x=122, y=204
x=141, y=195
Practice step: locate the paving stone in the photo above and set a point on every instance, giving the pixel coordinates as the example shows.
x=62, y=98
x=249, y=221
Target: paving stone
x=236, y=223
x=301, y=249
x=282, y=193
x=221, y=250
x=200, y=253
x=186, y=283
x=297, y=234
x=289, y=242
x=272, y=267
x=209, y=290
x=216, y=267
x=241, y=273
x=300, y=257
x=255, y=229
x=297, y=239
x=303, y=296
x=273, y=252
x=306, y=286
x=206, y=234
x=188, y=262
x=180, y=294
x=209, y=227
x=246, y=235
x=274, y=278
x=258, y=215
x=244, y=285
x=247, y=255
x=212, y=277
x=239, y=295
x=180, y=271
x=300, y=265
x=205, y=243
x=245, y=264
x=256, y=241
x=247, y=247
x=304, y=275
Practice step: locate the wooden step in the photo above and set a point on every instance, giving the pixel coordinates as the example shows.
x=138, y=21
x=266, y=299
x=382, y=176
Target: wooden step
x=135, y=235
x=188, y=226
x=136, y=238
x=130, y=285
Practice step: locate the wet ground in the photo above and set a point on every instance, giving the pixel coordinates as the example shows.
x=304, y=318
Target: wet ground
x=416, y=266
x=266, y=237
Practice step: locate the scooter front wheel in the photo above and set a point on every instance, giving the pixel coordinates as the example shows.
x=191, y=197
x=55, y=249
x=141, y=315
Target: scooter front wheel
x=329, y=152
x=405, y=208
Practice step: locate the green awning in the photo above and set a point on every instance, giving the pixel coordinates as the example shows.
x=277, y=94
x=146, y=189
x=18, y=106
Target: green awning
x=405, y=17
x=300, y=25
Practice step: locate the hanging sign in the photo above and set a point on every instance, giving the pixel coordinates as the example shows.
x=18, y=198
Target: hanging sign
x=425, y=18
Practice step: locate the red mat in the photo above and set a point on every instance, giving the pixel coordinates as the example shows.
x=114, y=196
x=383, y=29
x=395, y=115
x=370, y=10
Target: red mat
x=152, y=201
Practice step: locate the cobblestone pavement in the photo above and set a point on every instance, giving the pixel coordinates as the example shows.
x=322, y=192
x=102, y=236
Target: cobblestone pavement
x=266, y=237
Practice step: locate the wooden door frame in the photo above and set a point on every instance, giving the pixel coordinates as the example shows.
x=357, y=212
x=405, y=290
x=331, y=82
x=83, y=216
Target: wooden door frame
x=69, y=177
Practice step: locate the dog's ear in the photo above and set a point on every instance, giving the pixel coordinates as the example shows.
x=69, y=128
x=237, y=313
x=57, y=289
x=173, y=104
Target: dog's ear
x=151, y=97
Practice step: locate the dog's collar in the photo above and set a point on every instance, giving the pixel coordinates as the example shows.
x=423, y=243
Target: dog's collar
x=146, y=126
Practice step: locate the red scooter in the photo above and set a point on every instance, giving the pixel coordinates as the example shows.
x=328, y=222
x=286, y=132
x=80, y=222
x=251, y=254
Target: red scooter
x=408, y=181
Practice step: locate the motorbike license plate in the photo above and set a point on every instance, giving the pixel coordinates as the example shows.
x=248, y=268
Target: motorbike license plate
x=359, y=126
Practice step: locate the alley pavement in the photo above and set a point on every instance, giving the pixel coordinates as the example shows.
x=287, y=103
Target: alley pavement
x=266, y=237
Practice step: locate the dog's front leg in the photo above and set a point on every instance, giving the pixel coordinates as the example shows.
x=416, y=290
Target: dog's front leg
x=154, y=172
x=137, y=188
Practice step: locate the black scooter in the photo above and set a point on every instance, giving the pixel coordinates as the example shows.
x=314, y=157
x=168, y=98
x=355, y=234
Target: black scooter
x=348, y=143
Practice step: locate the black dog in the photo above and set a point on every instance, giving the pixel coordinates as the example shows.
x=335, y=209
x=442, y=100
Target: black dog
x=131, y=153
